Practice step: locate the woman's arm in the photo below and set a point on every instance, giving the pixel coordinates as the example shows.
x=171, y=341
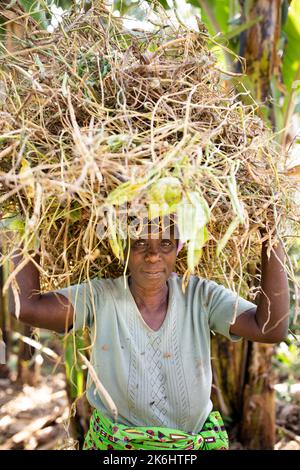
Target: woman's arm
x=51, y=311
x=268, y=323
x=274, y=302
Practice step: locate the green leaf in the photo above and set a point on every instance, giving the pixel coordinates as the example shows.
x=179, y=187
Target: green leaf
x=14, y=223
x=117, y=141
x=74, y=371
x=123, y=6
x=40, y=65
x=126, y=192
x=193, y=213
x=223, y=242
x=116, y=247
x=75, y=213
x=214, y=14
x=244, y=85
x=36, y=11
x=163, y=196
x=236, y=204
x=160, y=210
x=114, y=238
x=284, y=12
x=195, y=246
x=278, y=111
x=165, y=190
x=65, y=4
x=291, y=56
x=243, y=27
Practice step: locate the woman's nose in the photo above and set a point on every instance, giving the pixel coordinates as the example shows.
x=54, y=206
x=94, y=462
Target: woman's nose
x=152, y=257
x=152, y=252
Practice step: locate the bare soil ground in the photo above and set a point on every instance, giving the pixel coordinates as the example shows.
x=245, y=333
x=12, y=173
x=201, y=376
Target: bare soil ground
x=33, y=417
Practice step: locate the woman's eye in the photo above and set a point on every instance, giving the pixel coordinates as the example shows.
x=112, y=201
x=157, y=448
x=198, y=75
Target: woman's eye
x=140, y=243
x=166, y=243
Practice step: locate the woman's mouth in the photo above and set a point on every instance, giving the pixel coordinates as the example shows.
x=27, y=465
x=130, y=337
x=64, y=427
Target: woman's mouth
x=152, y=274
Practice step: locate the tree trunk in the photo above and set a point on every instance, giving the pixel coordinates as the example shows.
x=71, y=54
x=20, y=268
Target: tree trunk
x=258, y=422
x=259, y=48
x=228, y=376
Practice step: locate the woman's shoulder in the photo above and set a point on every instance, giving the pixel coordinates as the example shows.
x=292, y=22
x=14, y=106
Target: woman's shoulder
x=195, y=288
x=191, y=283
x=97, y=287
x=113, y=287
x=107, y=284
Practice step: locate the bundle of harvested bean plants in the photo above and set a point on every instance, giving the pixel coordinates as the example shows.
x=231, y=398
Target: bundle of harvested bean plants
x=101, y=126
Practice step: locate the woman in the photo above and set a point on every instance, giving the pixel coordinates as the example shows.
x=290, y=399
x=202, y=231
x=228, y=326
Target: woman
x=151, y=341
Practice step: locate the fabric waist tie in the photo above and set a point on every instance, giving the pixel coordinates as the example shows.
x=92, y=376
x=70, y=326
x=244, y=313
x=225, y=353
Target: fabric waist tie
x=103, y=434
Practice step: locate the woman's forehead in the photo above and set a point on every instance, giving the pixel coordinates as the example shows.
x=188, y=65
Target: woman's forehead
x=155, y=229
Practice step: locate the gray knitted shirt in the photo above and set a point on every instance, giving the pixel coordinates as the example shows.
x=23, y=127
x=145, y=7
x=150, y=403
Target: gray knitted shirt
x=156, y=378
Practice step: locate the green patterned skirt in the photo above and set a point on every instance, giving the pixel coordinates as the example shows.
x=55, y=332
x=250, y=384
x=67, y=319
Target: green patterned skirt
x=103, y=434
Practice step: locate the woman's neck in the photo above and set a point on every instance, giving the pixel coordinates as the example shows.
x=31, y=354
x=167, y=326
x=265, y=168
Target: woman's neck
x=152, y=300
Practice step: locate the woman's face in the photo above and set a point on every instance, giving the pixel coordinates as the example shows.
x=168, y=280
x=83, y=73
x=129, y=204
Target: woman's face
x=152, y=259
